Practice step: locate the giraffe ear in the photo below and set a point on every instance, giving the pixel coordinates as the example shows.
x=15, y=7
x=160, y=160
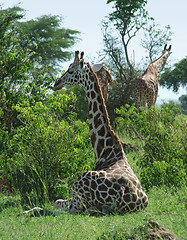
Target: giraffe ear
x=82, y=60
x=76, y=59
x=82, y=55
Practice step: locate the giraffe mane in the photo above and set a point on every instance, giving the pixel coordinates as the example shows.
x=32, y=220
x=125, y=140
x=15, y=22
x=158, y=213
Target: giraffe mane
x=105, y=109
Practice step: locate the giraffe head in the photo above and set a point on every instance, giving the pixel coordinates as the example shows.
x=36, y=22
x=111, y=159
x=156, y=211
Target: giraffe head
x=167, y=49
x=74, y=74
x=165, y=54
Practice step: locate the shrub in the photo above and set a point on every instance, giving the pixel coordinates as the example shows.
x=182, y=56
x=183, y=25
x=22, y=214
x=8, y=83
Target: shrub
x=163, y=132
x=51, y=149
x=9, y=201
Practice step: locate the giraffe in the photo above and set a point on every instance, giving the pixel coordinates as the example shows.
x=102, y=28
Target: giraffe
x=112, y=186
x=146, y=86
x=104, y=78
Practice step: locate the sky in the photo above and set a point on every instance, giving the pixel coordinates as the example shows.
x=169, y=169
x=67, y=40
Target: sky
x=86, y=16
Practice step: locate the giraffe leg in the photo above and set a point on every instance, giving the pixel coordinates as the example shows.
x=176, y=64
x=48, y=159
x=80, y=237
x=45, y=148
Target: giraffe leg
x=37, y=212
x=151, y=102
x=154, y=102
x=77, y=203
x=144, y=103
x=137, y=100
x=62, y=204
x=156, y=94
x=151, y=98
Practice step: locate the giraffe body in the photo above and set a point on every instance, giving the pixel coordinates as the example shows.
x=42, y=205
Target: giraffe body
x=146, y=87
x=112, y=186
x=104, y=78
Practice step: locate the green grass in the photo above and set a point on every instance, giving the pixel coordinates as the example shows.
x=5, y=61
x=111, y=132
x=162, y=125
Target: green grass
x=166, y=206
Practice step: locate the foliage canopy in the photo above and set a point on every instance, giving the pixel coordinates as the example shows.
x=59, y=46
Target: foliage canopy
x=176, y=77
x=50, y=40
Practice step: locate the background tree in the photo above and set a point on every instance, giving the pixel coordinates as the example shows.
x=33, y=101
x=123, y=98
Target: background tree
x=176, y=77
x=128, y=18
x=183, y=101
x=154, y=39
x=14, y=64
x=49, y=39
x=22, y=70
x=50, y=150
x=22, y=78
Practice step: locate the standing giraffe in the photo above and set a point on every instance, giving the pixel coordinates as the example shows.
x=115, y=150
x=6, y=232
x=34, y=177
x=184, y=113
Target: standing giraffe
x=146, y=87
x=112, y=186
x=104, y=78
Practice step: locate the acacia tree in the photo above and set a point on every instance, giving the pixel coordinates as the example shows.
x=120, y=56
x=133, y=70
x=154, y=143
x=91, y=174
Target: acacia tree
x=49, y=39
x=22, y=70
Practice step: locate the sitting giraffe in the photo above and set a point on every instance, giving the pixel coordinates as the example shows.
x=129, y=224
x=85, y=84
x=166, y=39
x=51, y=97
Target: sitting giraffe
x=104, y=78
x=146, y=86
x=112, y=186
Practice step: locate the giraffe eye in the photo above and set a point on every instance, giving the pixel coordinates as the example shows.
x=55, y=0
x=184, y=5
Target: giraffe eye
x=70, y=71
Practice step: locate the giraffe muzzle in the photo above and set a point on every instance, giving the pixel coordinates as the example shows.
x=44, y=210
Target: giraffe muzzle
x=58, y=84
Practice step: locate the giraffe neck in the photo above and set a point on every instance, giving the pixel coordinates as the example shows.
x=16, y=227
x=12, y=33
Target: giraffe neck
x=105, y=142
x=158, y=63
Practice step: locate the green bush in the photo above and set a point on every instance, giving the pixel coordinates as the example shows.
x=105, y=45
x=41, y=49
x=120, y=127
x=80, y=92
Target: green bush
x=51, y=149
x=163, y=133
x=9, y=201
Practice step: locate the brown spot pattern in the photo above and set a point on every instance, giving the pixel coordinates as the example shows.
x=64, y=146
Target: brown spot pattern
x=95, y=109
x=93, y=139
x=100, y=146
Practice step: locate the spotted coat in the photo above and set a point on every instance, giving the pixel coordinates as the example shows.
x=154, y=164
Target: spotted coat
x=112, y=186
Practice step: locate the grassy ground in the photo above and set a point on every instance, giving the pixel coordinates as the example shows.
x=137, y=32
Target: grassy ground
x=166, y=206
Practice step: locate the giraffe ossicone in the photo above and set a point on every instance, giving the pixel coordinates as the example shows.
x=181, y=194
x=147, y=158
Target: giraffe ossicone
x=112, y=186
x=145, y=88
